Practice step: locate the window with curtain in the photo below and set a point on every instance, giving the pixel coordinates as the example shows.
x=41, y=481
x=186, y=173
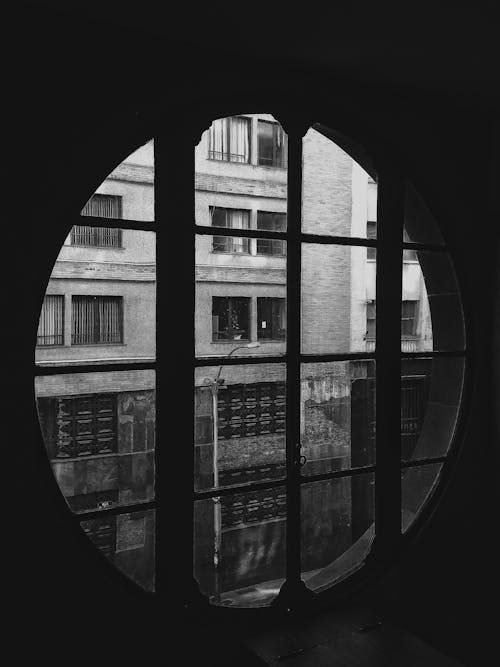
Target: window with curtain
x=234, y=219
x=51, y=322
x=229, y=139
x=271, y=318
x=272, y=144
x=97, y=319
x=100, y=206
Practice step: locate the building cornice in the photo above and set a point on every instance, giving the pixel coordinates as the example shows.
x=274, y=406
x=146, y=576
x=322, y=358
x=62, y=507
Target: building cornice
x=248, y=187
x=229, y=274
x=71, y=269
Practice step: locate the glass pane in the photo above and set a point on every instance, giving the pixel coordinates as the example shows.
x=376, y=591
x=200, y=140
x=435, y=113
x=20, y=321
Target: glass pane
x=431, y=390
x=127, y=193
x=338, y=289
x=240, y=297
x=431, y=312
x=239, y=424
x=337, y=527
x=239, y=547
x=128, y=541
x=416, y=486
x=99, y=431
x=339, y=198
x=419, y=223
x=100, y=303
x=337, y=429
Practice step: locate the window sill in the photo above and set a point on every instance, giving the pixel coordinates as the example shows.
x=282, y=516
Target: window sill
x=227, y=252
x=97, y=247
x=98, y=344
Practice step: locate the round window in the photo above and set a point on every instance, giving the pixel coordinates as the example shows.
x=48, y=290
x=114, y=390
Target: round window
x=324, y=336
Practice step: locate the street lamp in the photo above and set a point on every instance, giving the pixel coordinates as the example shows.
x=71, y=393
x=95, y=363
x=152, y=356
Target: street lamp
x=214, y=387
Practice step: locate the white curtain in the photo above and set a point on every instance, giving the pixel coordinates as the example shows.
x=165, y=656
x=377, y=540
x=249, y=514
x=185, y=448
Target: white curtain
x=217, y=138
x=50, y=324
x=239, y=220
x=238, y=138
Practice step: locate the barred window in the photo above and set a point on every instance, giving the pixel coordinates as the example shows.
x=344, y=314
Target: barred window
x=100, y=206
x=229, y=139
x=97, y=319
x=51, y=322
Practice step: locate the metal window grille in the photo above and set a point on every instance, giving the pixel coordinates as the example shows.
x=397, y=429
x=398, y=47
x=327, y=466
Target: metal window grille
x=51, y=322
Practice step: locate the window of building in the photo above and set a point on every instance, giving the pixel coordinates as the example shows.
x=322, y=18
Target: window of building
x=234, y=219
x=272, y=144
x=230, y=318
x=409, y=254
x=229, y=139
x=370, y=320
x=51, y=322
x=97, y=319
x=100, y=206
x=409, y=318
x=273, y=222
x=271, y=318
x=371, y=233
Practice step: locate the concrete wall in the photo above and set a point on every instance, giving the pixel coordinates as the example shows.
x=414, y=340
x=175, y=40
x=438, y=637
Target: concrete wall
x=138, y=321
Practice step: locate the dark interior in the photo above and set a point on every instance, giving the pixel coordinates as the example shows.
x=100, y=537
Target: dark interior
x=422, y=84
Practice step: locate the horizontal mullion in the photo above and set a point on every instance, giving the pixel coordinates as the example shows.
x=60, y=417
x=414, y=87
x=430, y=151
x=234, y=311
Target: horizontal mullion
x=339, y=240
x=346, y=356
x=422, y=462
x=243, y=233
x=114, y=223
x=348, y=472
x=236, y=361
x=93, y=368
x=114, y=511
x=434, y=354
x=425, y=247
x=238, y=488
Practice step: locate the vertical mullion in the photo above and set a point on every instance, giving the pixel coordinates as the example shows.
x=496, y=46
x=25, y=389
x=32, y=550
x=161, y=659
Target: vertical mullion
x=390, y=216
x=294, y=198
x=293, y=590
x=174, y=201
